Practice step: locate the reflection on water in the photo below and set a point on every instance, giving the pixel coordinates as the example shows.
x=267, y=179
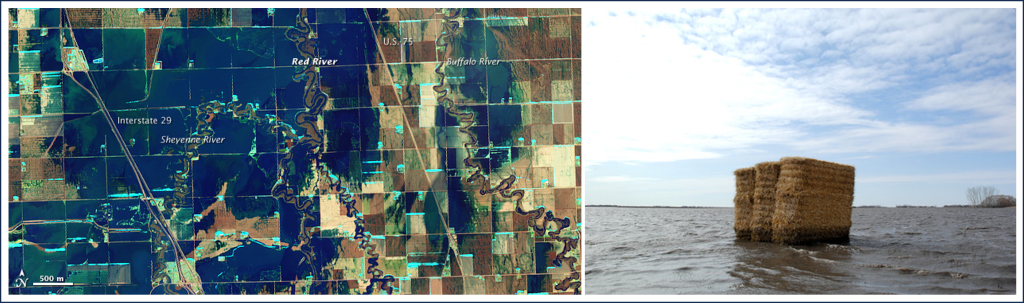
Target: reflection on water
x=891, y=250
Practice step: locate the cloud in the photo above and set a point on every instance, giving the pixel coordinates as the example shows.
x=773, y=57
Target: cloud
x=783, y=36
x=977, y=116
x=701, y=84
x=686, y=103
x=910, y=137
x=671, y=186
x=990, y=97
x=979, y=177
x=696, y=186
x=619, y=179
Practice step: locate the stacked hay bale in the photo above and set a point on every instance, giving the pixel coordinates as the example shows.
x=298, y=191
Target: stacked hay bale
x=814, y=201
x=744, y=201
x=767, y=174
x=795, y=200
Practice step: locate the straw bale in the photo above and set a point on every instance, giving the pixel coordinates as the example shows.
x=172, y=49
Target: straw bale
x=767, y=174
x=744, y=201
x=813, y=201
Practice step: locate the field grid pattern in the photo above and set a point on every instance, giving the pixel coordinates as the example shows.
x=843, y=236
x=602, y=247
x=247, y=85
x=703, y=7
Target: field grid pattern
x=294, y=151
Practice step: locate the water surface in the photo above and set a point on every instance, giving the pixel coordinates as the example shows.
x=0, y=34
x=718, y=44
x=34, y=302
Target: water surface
x=891, y=251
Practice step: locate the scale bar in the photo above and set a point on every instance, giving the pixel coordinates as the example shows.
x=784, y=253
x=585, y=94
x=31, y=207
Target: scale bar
x=53, y=283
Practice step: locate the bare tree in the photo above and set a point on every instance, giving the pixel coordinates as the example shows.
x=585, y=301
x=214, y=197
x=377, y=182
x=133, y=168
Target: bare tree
x=977, y=194
x=999, y=201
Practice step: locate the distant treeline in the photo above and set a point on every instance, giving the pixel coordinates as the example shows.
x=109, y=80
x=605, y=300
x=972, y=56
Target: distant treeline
x=992, y=204
x=995, y=201
x=999, y=201
x=897, y=206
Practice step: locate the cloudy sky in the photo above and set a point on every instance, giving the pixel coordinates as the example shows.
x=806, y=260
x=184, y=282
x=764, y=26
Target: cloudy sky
x=923, y=102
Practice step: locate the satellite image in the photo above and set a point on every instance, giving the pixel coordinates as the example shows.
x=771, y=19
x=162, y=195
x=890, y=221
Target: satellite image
x=293, y=151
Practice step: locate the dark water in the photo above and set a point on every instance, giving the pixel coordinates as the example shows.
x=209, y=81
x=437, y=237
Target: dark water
x=891, y=250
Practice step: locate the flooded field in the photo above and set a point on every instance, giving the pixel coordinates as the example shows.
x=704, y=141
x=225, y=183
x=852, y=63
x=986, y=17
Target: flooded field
x=891, y=251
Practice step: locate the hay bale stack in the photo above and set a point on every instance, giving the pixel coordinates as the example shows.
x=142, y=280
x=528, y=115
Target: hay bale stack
x=767, y=174
x=744, y=201
x=813, y=201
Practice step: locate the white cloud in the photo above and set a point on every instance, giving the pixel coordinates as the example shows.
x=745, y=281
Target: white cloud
x=990, y=96
x=710, y=83
x=620, y=179
x=675, y=101
x=910, y=137
x=979, y=177
x=690, y=186
x=697, y=186
x=983, y=117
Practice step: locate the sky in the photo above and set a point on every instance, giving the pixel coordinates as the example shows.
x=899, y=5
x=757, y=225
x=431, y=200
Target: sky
x=923, y=102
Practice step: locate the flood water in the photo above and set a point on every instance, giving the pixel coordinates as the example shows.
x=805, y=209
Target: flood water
x=891, y=251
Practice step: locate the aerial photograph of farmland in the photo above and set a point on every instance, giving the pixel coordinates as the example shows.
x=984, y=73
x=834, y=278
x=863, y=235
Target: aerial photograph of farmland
x=292, y=151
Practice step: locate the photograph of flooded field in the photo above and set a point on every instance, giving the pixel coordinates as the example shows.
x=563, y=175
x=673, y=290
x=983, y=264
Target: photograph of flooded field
x=803, y=151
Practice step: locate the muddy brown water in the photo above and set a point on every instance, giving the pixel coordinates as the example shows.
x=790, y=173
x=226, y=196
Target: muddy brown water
x=891, y=251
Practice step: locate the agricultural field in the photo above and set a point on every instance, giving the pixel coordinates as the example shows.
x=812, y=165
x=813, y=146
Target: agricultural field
x=294, y=151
